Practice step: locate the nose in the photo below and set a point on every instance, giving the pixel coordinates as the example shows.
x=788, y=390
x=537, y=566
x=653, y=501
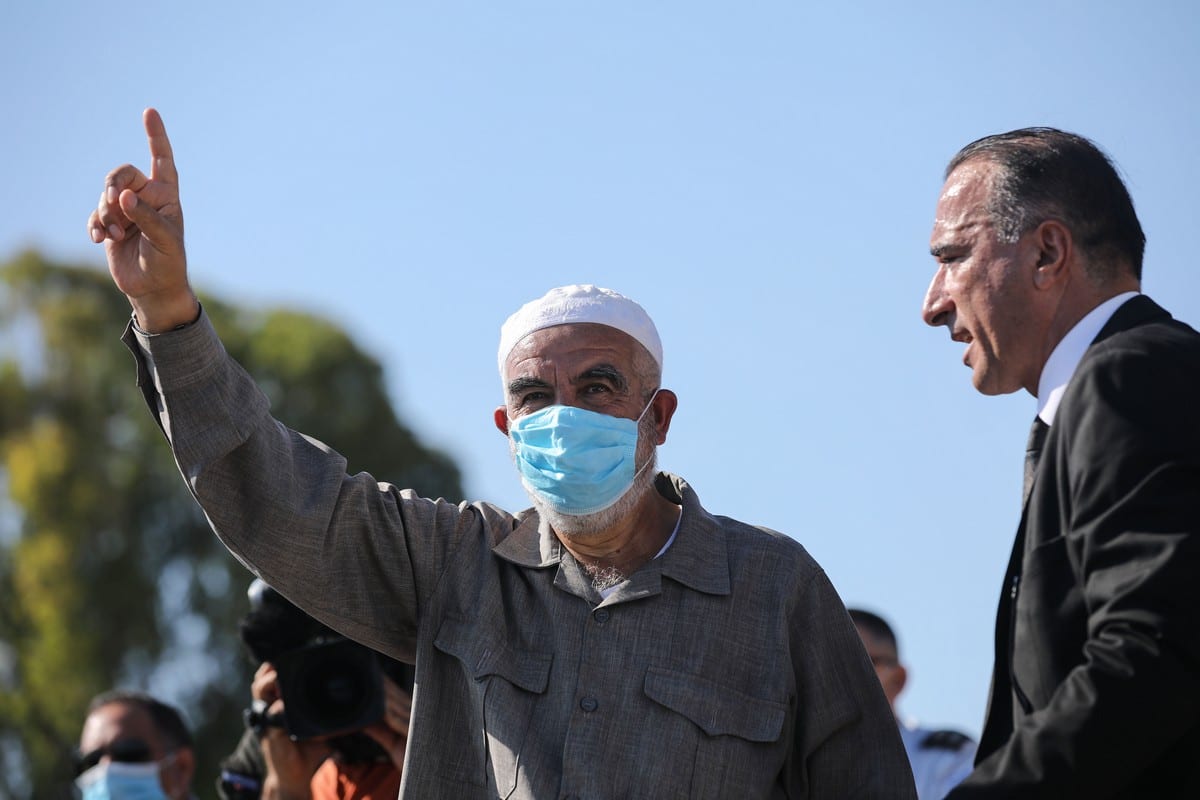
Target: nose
x=938, y=308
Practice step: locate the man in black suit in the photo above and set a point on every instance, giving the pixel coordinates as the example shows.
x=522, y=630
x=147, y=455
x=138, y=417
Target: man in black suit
x=1096, y=686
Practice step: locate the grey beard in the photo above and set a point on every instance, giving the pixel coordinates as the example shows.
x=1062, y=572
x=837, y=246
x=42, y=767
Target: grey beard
x=581, y=526
x=603, y=577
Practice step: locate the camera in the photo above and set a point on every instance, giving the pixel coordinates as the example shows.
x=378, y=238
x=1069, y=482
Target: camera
x=330, y=686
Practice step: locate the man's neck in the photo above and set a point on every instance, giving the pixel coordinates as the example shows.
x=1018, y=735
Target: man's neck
x=1077, y=301
x=1064, y=359
x=632, y=541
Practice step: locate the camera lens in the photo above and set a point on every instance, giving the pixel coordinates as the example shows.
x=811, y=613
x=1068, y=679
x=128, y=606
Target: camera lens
x=334, y=691
x=330, y=687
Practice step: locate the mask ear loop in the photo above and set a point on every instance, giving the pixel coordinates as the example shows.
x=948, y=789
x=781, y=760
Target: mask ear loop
x=649, y=460
x=649, y=403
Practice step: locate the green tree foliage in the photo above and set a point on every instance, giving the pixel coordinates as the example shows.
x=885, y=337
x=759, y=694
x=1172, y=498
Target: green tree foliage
x=109, y=575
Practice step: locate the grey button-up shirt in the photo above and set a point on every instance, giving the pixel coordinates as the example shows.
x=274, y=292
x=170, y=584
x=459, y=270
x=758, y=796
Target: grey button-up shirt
x=726, y=668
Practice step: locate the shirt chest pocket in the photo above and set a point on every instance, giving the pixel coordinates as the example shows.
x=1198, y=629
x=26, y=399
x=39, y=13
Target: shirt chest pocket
x=736, y=736
x=505, y=685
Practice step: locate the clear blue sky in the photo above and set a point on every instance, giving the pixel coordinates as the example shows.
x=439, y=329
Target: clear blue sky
x=760, y=176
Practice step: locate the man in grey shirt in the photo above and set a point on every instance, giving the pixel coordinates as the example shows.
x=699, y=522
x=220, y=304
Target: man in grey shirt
x=614, y=641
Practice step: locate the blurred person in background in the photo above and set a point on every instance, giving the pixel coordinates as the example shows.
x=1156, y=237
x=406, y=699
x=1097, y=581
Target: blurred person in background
x=134, y=747
x=940, y=758
x=362, y=763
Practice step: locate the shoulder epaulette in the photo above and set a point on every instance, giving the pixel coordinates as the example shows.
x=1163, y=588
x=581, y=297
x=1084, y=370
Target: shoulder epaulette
x=945, y=740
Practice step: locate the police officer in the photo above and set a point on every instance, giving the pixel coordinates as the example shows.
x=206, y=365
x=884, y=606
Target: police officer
x=939, y=758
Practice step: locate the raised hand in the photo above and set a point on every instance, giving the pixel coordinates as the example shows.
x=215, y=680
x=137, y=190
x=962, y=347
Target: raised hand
x=140, y=222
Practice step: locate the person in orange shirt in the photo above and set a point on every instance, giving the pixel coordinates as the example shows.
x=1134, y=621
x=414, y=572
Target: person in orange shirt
x=297, y=654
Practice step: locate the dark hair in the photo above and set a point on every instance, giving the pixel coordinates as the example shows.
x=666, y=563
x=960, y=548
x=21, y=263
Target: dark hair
x=876, y=626
x=167, y=719
x=1045, y=174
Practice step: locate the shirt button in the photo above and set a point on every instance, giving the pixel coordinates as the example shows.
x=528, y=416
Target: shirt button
x=601, y=615
x=589, y=704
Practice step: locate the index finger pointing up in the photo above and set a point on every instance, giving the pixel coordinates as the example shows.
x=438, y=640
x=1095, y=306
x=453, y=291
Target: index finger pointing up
x=162, y=160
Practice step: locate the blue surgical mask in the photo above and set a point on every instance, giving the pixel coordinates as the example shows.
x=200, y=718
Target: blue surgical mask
x=114, y=780
x=577, y=461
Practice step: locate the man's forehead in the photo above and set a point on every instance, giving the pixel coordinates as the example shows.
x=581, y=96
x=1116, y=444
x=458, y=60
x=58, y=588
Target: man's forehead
x=970, y=182
x=114, y=721
x=874, y=645
x=952, y=225
x=962, y=205
x=583, y=341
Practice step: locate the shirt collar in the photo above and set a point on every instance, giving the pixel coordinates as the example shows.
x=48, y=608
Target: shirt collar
x=1067, y=354
x=698, y=558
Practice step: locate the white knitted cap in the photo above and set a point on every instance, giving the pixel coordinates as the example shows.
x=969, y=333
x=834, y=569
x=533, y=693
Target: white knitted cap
x=580, y=303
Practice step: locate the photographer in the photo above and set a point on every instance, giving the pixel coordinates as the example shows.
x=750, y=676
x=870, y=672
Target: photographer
x=343, y=735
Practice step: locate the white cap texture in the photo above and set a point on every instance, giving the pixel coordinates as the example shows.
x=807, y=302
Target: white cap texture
x=580, y=303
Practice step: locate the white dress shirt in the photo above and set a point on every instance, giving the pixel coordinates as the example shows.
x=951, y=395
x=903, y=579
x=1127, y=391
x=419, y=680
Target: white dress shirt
x=1061, y=364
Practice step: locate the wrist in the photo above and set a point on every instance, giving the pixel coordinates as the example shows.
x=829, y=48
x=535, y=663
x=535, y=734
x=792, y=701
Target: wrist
x=160, y=314
x=258, y=719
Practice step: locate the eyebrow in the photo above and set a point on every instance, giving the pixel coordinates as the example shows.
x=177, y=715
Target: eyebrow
x=606, y=372
x=939, y=250
x=518, y=385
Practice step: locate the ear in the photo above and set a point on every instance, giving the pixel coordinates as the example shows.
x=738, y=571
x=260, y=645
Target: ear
x=894, y=683
x=500, y=417
x=663, y=405
x=176, y=777
x=1055, y=249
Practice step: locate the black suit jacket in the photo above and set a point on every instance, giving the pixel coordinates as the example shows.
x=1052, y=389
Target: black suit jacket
x=1096, y=687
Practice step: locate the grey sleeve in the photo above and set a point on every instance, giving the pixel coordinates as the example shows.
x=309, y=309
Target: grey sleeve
x=847, y=743
x=356, y=554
